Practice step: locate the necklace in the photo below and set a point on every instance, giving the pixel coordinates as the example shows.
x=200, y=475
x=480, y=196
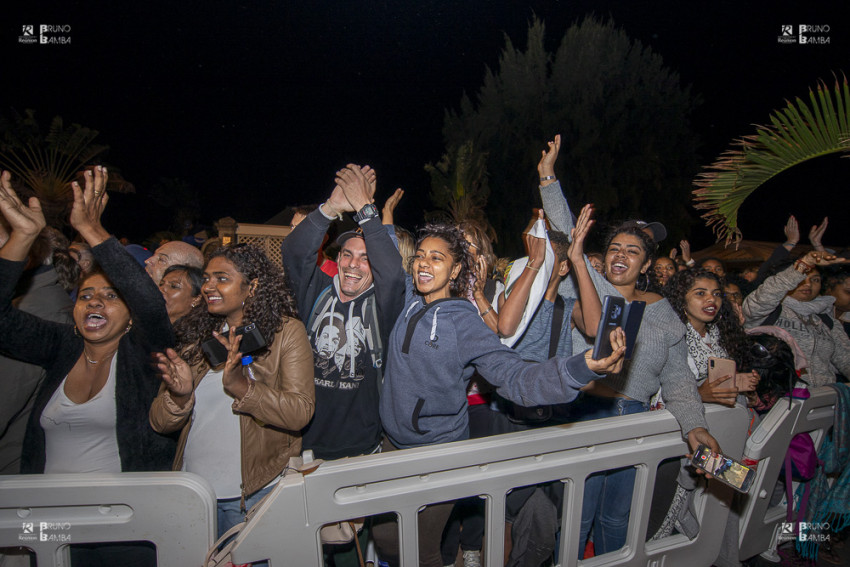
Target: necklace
x=91, y=361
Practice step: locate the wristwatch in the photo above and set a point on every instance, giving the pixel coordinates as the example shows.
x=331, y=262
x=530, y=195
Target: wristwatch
x=369, y=211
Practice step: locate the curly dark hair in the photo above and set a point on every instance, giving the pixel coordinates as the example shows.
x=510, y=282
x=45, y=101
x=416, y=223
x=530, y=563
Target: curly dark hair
x=732, y=337
x=267, y=308
x=459, y=250
x=647, y=243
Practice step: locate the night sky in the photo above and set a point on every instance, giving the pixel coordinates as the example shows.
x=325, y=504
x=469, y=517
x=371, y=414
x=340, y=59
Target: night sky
x=256, y=104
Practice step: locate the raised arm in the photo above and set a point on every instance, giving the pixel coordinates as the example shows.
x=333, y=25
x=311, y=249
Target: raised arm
x=139, y=291
x=761, y=303
x=512, y=302
x=588, y=309
x=22, y=336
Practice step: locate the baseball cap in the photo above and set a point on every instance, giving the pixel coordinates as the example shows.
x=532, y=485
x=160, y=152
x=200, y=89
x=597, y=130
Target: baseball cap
x=659, y=232
x=342, y=238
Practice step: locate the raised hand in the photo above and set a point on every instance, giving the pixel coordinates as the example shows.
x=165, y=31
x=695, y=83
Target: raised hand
x=673, y=253
x=357, y=185
x=579, y=233
x=89, y=203
x=815, y=258
x=816, y=234
x=25, y=221
x=686, y=251
x=792, y=233
x=546, y=166
x=176, y=375
x=613, y=363
x=387, y=216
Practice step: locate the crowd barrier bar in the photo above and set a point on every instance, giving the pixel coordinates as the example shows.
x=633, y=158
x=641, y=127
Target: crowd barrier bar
x=45, y=513
x=285, y=527
x=176, y=511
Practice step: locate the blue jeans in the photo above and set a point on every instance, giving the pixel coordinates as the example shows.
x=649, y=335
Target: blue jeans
x=607, y=495
x=230, y=510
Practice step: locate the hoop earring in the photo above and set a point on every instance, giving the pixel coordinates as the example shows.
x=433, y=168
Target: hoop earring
x=645, y=282
x=77, y=331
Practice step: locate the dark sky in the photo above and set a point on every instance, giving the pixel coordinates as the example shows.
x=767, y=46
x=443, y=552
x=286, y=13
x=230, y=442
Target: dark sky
x=256, y=104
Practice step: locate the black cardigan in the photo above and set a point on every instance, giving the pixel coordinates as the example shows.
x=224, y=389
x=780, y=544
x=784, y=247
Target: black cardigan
x=57, y=348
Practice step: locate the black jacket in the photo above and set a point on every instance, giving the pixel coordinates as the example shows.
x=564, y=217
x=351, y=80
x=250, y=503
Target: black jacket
x=57, y=348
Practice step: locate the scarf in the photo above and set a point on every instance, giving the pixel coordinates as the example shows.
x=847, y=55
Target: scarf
x=700, y=348
x=818, y=305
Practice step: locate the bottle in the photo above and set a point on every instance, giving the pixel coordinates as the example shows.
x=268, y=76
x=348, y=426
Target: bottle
x=247, y=369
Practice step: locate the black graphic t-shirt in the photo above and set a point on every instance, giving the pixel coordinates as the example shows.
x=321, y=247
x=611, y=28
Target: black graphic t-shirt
x=346, y=421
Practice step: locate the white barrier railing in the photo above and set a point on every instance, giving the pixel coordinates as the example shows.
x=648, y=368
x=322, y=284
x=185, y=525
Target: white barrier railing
x=176, y=511
x=768, y=444
x=45, y=513
x=404, y=482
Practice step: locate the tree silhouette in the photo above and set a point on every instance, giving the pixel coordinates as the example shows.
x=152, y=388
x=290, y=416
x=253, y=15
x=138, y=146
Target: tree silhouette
x=46, y=163
x=623, y=117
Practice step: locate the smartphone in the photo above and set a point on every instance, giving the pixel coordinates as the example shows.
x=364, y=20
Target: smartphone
x=632, y=318
x=252, y=341
x=726, y=470
x=613, y=310
x=720, y=367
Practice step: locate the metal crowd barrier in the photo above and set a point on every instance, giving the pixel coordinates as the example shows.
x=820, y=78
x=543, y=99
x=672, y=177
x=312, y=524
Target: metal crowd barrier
x=176, y=511
x=285, y=527
x=45, y=513
x=768, y=444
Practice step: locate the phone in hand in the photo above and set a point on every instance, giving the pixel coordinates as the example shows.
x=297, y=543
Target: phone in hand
x=720, y=367
x=725, y=469
x=252, y=340
x=613, y=310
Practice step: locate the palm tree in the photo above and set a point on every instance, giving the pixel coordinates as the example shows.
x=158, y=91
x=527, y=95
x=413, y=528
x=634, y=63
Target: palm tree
x=797, y=133
x=47, y=163
x=459, y=186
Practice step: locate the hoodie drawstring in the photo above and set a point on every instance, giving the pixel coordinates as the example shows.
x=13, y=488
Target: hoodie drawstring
x=433, y=335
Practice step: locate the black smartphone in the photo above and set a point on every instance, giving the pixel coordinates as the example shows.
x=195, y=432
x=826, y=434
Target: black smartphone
x=252, y=341
x=613, y=309
x=632, y=318
x=726, y=470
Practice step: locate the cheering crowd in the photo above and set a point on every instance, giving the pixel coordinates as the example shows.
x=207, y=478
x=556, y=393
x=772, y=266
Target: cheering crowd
x=220, y=363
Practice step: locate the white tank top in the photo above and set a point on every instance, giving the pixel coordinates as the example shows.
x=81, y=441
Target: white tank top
x=213, y=446
x=80, y=438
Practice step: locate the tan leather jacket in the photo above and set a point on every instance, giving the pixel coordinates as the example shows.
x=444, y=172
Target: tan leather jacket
x=273, y=412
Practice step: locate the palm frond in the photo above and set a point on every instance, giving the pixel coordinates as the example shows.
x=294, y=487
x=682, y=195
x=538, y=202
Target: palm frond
x=799, y=132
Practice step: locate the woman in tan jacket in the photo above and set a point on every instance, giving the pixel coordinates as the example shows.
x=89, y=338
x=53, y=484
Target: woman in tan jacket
x=236, y=431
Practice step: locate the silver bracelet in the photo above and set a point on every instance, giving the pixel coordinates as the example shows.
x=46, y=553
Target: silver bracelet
x=547, y=178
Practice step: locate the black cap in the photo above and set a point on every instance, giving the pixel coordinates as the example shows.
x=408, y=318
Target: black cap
x=659, y=232
x=342, y=238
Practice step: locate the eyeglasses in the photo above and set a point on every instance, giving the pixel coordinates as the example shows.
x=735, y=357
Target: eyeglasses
x=733, y=295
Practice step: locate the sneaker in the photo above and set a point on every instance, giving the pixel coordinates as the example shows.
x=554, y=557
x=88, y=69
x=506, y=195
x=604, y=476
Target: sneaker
x=471, y=558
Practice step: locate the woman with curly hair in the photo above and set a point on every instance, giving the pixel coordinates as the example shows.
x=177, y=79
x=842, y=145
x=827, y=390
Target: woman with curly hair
x=437, y=343
x=712, y=330
x=222, y=411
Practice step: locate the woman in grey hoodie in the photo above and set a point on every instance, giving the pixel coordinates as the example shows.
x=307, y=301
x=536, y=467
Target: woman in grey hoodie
x=436, y=344
x=790, y=300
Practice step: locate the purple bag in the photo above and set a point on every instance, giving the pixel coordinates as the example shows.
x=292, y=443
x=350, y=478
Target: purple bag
x=803, y=457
